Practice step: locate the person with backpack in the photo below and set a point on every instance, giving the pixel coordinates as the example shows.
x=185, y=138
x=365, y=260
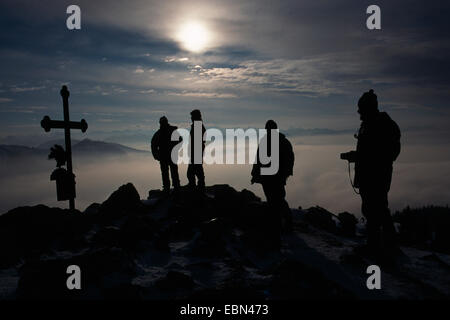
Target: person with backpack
x=162, y=146
x=274, y=185
x=377, y=148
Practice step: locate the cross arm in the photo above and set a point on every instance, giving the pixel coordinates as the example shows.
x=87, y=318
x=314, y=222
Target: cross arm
x=48, y=124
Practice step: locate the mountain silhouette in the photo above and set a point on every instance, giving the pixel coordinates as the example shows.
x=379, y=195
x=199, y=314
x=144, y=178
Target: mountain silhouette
x=48, y=144
x=87, y=146
x=15, y=152
x=83, y=147
x=217, y=246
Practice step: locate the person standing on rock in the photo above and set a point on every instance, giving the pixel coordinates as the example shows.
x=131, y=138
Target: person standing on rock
x=196, y=149
x=377, y=148
x=274, y=184
x=162, y=146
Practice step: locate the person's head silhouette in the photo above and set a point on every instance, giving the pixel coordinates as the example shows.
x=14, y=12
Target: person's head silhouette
x=163, y=122
x=368, y=105
x=271, y=125
x=196, y=115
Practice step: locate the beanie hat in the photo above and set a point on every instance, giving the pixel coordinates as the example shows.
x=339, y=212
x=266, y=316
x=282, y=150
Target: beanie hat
x=368, y=101
x=163, y=120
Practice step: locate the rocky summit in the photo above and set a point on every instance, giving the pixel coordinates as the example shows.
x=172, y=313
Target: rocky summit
x=215, y=246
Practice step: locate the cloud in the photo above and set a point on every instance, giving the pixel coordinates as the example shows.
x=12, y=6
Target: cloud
x=175, y=59
x=306, y=76
x=38, y=108
x=316, y=131
x=26, y=89
x=209, y=95
x=283, y=49
x=148, y=91
x=23, y=109
x=320, y=178
x=139, y=70
x=107, y=120
x=120, y=90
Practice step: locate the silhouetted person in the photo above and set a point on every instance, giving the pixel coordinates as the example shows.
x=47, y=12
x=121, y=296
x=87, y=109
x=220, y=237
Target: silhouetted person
x=274, y=185
x=195, y=167
x=162, y=146
x=377, y=148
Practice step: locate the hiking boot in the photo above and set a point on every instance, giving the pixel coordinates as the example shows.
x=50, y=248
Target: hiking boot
x=166, y=192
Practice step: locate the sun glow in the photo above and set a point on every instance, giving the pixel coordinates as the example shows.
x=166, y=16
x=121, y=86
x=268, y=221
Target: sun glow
x=194, y=36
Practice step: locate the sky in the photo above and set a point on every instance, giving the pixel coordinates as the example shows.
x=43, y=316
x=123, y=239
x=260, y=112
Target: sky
x=302, y=63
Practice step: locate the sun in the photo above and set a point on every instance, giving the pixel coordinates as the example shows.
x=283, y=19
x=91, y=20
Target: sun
x=194, y=36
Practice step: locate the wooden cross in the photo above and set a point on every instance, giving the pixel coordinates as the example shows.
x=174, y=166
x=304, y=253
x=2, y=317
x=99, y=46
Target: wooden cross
x=66, y=124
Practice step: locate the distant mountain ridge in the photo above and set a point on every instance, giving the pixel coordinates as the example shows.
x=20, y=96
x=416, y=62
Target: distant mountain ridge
x=83, y=147
x=16, y=151
x=50, y=143
x=93, y=146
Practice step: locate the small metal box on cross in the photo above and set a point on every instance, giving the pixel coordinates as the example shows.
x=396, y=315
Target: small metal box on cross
x=66, y=124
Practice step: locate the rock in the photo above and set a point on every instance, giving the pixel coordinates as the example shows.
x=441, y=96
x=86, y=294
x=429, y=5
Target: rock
x=250, y=212
x=320, y=218
x=190, y=203
x=211, y=242
x=222, y=192
x=31, y=231
x=133, y=231
x=109, y=236
x=92, y=209
x=124, y=201
x=293, y=279
x=425, y=227
x=181, y=229
x=100, y=270
x=176, y=210
x=213, y=230
x=161, y=241
x=248, y=196
x=136, y=229
x=261, y=227
x=227, y=241
x=348, y=224
x=46, y=279
x=175, y=280
x=227, y=200
x=155, y=194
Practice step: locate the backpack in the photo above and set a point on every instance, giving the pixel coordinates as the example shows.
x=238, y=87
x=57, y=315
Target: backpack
x=288, y=157
x=393, y=136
